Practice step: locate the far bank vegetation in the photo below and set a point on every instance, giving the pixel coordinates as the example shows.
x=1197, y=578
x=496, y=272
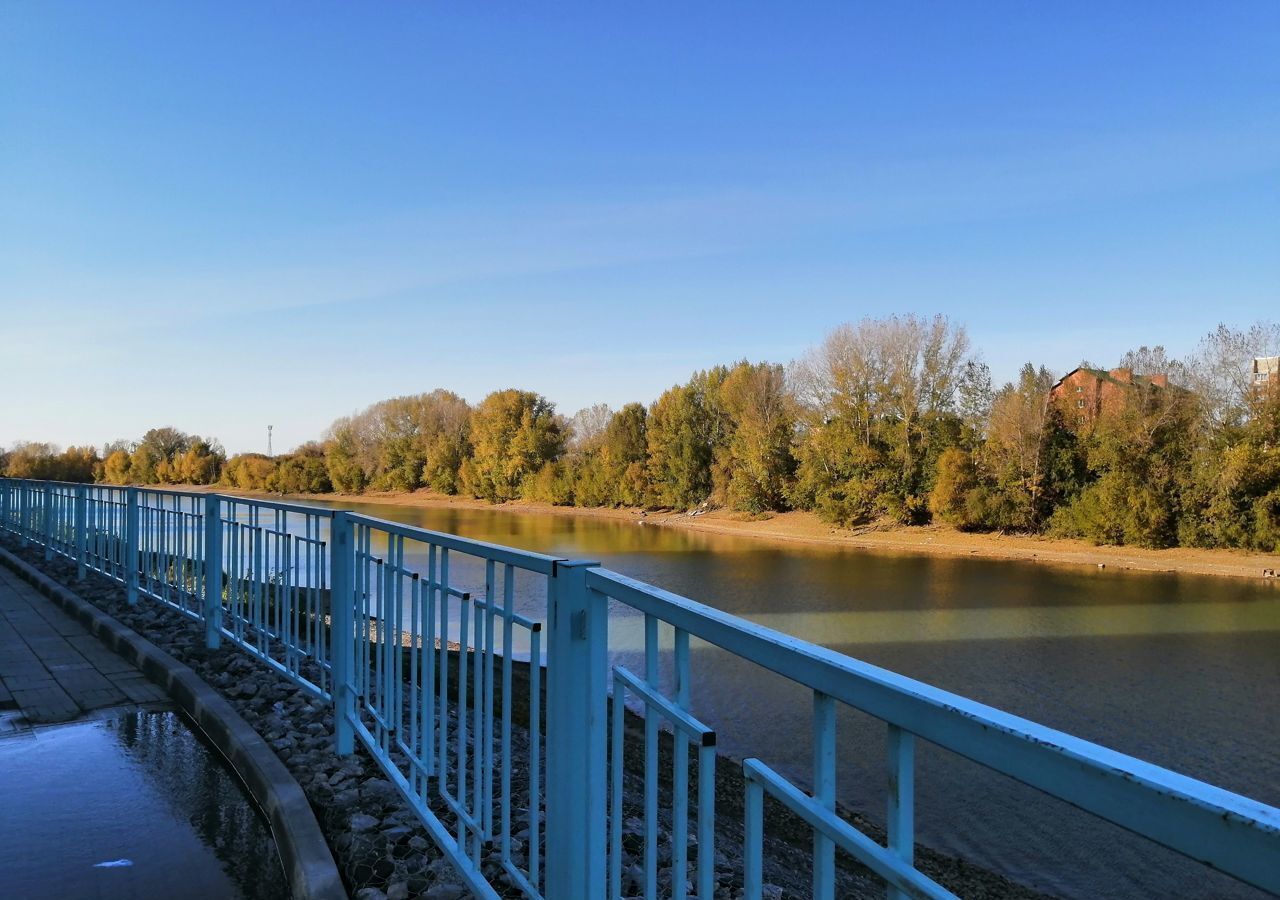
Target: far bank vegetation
x=886, y=422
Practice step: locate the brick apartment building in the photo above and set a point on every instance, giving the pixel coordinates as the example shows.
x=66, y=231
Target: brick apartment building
x=1085, y=395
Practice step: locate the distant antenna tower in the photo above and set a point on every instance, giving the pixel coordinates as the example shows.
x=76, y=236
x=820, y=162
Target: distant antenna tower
x=269, y=453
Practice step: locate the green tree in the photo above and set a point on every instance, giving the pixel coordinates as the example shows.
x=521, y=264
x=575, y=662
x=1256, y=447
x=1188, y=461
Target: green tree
x=301, y=472
x=624, y=453
x=880, y=402
x=29, y=459
x=342, y=457
x=962, y=496
x=116, y=467
x=1138, y=458
x=513, y=435
x=755, y=464
x=684, y=427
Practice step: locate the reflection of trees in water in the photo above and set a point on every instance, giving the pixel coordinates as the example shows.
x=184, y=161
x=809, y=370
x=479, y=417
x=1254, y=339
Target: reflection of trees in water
x=191, y=776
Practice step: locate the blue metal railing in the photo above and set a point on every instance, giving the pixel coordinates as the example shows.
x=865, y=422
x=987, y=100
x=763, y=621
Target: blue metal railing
x=413, y=635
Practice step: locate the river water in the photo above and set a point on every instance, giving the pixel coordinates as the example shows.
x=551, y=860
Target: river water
x=1178, y=670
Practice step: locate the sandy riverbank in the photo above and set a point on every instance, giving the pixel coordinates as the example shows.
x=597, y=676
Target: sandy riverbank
x=939, y=540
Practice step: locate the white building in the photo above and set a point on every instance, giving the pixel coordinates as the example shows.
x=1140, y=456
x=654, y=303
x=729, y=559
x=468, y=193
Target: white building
x=1266, y=371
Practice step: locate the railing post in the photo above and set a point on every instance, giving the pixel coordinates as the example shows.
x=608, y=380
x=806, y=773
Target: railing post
x=6, y=503
x=24, y=512
x=48, y=521
x=901, y=822
x=341, y=618
x=131, y=544
x=82, y=530
x=212, y=571
x=577, y=699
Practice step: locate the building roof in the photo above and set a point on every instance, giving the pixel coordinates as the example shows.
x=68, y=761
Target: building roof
x=1104, y=375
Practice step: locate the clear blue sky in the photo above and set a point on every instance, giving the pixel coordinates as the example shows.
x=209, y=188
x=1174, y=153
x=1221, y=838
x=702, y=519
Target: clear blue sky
x=219, y=216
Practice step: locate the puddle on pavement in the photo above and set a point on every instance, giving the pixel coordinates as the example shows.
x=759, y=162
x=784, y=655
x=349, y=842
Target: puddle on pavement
x=135, y=806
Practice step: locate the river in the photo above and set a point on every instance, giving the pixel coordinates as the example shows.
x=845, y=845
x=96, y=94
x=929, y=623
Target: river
x=1175, y=669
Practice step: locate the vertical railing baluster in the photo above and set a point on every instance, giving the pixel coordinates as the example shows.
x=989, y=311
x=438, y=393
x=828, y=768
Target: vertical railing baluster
x=535, y=756
x=341, y=611
x=753, y=841
x=824, y=791
x=706, y=820
x=376, y=690
x=48, y=521
x=486, y=799
x=82, y=530
x=650, y=761
x=465, y=617
x=430, y=708
x=212, y=571
x=417, y=779
x=680, y=793
x=442, y=688
x=616, y=761
x=504, y=789
x=131, y=545
x=901, y=819
x=477, y=731
x=24, y=513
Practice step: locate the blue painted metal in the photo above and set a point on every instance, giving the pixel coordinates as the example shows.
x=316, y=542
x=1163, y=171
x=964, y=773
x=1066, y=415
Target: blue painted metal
x=82, y=531
x=213, y=575
x=363, y=612
x=753, y=840
x=46, y=521
x=824, y=792
x=577, y=696
x=883, y=862
x=131, y=545
x=1232, y=833
x=901, y=817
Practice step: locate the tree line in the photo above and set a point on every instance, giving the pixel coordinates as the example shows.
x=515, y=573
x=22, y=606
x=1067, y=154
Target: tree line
x=891, y=421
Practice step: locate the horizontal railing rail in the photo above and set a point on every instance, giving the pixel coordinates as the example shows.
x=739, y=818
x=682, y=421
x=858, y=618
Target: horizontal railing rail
x=432, y=646
x=1228, y=831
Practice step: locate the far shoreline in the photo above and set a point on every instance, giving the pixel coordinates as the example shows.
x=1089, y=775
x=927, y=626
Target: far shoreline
x=805, y=528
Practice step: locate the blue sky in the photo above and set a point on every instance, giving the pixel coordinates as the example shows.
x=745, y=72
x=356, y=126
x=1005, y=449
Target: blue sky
x=219, y=216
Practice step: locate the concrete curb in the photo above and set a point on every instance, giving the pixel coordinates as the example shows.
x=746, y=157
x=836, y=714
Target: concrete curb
x=307, y=860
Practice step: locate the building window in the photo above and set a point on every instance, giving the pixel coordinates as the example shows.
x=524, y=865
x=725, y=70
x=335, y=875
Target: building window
x=1261, y=376
x=1079, y=389
x=1080, y=420
x=1080, y=404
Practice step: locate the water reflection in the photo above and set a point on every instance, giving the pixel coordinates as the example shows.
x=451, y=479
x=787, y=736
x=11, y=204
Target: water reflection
x=141, y=791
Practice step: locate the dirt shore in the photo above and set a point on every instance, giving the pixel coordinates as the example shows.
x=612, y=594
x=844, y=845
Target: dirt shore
x=936, y=540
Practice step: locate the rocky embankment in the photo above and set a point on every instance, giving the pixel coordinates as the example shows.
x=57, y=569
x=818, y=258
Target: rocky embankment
x=377, y=839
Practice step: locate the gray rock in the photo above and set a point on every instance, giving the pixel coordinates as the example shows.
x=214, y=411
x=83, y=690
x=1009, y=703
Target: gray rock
x=360, y=823
x=444, y=892
x=379, y=790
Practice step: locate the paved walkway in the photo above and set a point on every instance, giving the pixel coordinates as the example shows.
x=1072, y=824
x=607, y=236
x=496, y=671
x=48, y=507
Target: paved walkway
x=51, y=669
